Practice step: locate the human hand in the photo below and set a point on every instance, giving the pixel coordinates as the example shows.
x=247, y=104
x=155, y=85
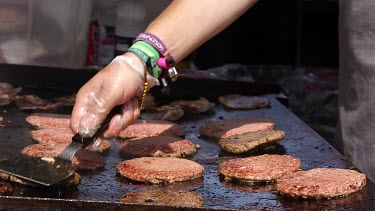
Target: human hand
x=119, y=83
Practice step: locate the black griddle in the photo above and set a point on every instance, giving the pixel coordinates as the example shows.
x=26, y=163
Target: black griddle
x=103, y=188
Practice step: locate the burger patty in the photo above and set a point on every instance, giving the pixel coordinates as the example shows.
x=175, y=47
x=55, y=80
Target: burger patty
x=158, y=146
x=160, y=169
x=5, y=188
x=66, y=100
x=147, y=128
x=166, y=113
x=45, y=120
x=236, y=101
x=8, y=93
x=32, y=102
x=62, y=137
x=52, y=137
x=225, y=128
x=200, y=105
x=262, y=168
x=83, y=159
x=249, y=141
x=321, y=183
x=179, y=198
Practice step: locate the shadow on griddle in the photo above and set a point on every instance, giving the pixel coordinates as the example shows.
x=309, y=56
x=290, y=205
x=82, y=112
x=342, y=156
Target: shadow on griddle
x=248, y=187
x=44, y=192
x=184, y=185
x=273, y=149
x=349, y=202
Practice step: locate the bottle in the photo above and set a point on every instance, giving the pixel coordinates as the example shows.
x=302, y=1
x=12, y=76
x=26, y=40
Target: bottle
x=130, y=21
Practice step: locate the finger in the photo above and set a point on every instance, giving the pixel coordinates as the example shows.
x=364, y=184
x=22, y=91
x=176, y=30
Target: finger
x=130, y=113
x=98, y=108
x=80, y=109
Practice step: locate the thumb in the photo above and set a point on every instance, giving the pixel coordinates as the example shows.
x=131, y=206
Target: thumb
x=97, y=109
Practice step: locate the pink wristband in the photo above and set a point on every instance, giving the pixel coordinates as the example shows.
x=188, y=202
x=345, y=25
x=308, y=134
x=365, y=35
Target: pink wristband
x=155, y=42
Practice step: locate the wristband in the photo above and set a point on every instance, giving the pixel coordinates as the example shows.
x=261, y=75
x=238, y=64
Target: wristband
x=140, y=54
x=147, y=49
x=155, y=42
x=148, y=55
x=162, y=63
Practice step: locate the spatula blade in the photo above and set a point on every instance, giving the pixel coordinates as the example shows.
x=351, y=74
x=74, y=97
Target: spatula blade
x=70, y=151
x=37, y=170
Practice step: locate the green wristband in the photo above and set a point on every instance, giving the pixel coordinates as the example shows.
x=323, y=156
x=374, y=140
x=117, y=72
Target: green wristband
x=149, y=55
x=147, y=49
x=140, y=54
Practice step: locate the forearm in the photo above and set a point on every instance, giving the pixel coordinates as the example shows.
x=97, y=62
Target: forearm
x=186, y=24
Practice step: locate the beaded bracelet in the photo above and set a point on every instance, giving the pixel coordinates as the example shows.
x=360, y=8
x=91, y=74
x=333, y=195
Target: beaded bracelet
x=141, y=100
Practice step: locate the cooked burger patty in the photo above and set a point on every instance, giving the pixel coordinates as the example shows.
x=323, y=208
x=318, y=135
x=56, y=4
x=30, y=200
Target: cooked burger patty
x=158, y=146
x=32, y=102
x=249, y=141
x=66, y=100
x=8, y=93
x=45, y=120
x=165, y=112
x=5, y=188
x=179, y=198
x=83, y=159
x=146, y=128
x=159, y=169
x=200, y=105
x=236, y=101
x=225, y=128
x=262, y=168
x=62, y=137
x=321, y=183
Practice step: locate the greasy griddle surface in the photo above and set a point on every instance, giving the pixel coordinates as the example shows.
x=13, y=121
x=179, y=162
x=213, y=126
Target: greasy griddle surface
x=104, y=186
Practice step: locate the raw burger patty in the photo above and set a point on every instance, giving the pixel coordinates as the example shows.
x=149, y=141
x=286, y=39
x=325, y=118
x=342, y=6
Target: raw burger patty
x=146, y=128
x=158, y=146
x=178, y=198
x=44, y=120
x=5, y=188
x=321, y=183
x=225, y=128
x=62, y=137
x=236, y=101
x=262, y=168
x=249, y=141
x=159, y=169
x=52, y=137
x=83, y=159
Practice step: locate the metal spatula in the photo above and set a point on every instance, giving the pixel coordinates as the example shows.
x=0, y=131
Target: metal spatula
x=50, y=172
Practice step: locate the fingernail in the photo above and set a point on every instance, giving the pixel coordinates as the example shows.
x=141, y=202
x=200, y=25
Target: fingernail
x=119, y=123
